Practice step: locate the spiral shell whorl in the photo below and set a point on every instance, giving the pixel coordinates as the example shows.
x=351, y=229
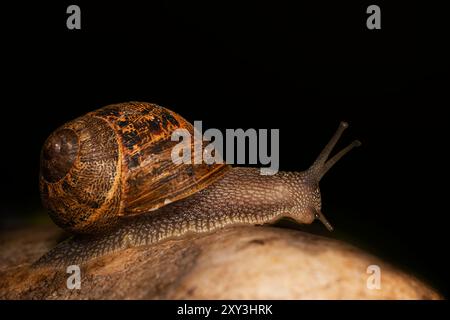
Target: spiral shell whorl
x=90, y=190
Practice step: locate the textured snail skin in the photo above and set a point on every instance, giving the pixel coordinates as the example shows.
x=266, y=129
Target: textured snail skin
x=243, y=196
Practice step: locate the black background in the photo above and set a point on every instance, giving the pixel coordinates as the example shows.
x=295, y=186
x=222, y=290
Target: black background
x=299, y=68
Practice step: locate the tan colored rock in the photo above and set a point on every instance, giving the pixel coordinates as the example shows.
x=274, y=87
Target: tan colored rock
x=233, y=263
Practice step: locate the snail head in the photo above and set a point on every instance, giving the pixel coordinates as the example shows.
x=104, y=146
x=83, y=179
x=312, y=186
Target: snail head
x=319, y=168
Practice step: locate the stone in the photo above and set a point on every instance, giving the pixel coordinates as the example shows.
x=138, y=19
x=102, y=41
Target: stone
x=233, y=263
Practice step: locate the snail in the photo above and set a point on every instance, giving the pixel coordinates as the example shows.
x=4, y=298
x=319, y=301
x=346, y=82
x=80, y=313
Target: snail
x=108, y=178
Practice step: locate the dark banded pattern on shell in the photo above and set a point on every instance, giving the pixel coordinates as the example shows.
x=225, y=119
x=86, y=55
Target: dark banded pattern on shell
x=116, y=161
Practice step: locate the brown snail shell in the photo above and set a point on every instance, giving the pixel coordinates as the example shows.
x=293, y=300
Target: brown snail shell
x=116, y=161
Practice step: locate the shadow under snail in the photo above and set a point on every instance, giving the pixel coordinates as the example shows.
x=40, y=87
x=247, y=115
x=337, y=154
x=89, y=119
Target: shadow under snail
x=108, y=177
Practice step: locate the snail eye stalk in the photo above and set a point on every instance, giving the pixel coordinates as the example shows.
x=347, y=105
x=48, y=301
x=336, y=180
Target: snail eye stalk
x=322, y=163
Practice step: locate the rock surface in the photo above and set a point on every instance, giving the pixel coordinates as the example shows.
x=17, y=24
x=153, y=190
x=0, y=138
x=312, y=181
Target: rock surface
x=233, y=263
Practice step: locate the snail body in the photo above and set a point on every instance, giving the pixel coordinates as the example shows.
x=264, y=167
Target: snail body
x=151, y=199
